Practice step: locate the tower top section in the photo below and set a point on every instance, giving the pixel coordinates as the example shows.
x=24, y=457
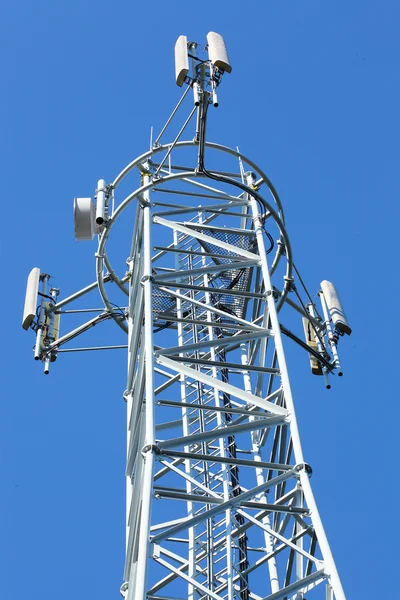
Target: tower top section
x=204, y=72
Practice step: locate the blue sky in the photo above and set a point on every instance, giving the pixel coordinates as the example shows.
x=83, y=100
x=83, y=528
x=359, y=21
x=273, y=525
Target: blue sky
x=314, y=98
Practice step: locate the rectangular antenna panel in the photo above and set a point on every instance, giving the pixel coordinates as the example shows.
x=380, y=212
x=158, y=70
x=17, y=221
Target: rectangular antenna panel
x=32, y=288
x=335, y=307
x=181, y=60
x=310, y=339
x=217, y=52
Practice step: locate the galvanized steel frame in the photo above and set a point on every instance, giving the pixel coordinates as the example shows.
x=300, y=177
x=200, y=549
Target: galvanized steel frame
x=206, y=492
x=257, y=535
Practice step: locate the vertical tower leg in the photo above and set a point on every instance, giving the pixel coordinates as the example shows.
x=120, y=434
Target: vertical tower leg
x=330, y=566
x=143, y=482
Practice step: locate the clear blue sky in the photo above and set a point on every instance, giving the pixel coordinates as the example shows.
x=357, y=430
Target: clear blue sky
x=314, y=98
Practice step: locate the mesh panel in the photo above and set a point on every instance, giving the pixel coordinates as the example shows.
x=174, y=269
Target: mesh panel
x=163, y=302
x=234, y=279
x=243, y=242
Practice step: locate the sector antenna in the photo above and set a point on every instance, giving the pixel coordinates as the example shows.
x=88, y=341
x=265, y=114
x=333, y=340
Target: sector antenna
x=219, y=497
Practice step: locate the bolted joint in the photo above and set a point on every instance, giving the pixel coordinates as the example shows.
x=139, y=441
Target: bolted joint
x=54, y=292
x=250, y=179
x=146, y=278
x=145, y=170
x=281, y=247
x=289, y=283
x=143, y=202
x=272, y=293
x=151, y=448
x=124, y=589
x=303, y=467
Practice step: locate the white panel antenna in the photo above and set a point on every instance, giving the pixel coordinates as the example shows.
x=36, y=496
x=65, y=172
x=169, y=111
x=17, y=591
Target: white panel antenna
x=32, y=288
x=217, y=52
x=84, y=218
x=181, y=60
x=335, y=307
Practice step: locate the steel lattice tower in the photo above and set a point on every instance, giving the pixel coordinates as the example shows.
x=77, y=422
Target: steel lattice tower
x=219, y=501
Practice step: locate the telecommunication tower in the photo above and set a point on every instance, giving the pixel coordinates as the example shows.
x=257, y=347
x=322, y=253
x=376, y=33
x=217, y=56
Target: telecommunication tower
x=219, y=501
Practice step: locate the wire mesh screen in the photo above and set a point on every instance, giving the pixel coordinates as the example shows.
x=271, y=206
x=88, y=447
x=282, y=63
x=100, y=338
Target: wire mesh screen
x=234, y=279
x=238, y=279
x=163, y=302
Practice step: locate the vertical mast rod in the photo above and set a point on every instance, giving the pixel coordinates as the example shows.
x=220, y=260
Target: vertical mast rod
x=138, y=590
